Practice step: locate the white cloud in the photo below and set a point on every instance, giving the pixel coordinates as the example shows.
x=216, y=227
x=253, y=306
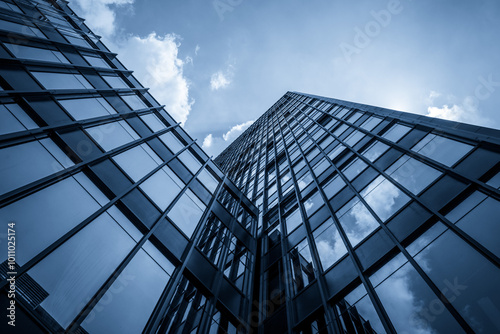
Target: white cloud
x=207, y=142
x=466, y=111
x=219, y=80
x=196, y=49
x=215, y=145
x=98, y=14
x=153, y=58
x=236, y=131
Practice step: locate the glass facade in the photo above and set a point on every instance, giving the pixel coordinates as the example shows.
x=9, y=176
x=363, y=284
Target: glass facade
x=123, y=224
x=324, y=216
x=381, y=222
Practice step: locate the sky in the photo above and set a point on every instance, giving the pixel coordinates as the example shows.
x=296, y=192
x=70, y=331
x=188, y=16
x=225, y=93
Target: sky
x=218, y=65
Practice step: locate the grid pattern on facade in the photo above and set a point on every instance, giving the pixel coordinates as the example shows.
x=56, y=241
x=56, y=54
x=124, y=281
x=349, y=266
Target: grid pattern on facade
x=371, y=220
x=111, y=199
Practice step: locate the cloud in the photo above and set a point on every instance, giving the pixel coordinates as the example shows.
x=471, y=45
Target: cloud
x=207, y=142
x=153, y=58
x=215, y=145
x=196, y=49
x=98, y=14
x=466, y=111
x=219, y=80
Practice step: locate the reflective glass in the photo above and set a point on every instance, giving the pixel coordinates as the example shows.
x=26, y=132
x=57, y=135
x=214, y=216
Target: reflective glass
x=153, y=122
x=115, y=82
x=304, y=181
x=24, y=163
x=354, y=168
x=87, y=107
x=313, y=203
x=27, y=52
x=301, y=265
x=134, y=101
x=396, y=132
x=129, y=302
x=477, y=215
x=466, y=279
x=43, y=217
x=371, y=123
x=84, y=261
x=62, y=80
x=444, y=150
x=375, y=150
x=208, y=180
x=293, y=220
x=384, y=197
x=190, y=161
x=356, y=221
x=112, y=135
x=358, y=300
x=187, y=212
x=162, y=187
x=412, y=174
x=329, y=243
x=96, y=61
x=409, y=302
x=334, y=186
x=172, y=142
x=137, y=161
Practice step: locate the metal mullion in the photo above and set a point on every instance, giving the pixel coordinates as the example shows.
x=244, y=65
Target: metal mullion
x=34, y=186
x=377, y=304
x=35, y=260
x=105, y=287
x=403, y=250
x=164, y=301
x=493, y=192
x=81, y=91
x=472, y=242
x=309, y=235
x=75, y=124
x=41, y=63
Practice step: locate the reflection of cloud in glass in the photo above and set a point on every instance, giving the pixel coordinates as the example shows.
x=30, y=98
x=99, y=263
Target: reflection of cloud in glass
x=357, y=222
x=329, y=244
x=384, y=197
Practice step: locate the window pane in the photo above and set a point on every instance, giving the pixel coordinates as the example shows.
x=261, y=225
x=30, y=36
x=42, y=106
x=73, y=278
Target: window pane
x=329, y=243
x=396, y=132
x=112, y=135
x=46, y=215
x=478, y=216
x=354, y=168
x=84, y=261
x=412, y=174
x=87, y=107
x=208, y=180
x=62, y=80
x=359, y=301
x=172, y=142
x=444, y=150
x=137, y=162
x=8, y=122
x=115, y=82
x=333, y=187
x=190, y=161
x=466, y=278
x=187, y=212
x=313, y=203
x=24, y=163
x=293, y=220
x=96, y=61
x=375, y=150
x=410, y=303
x=129, y=302
x=134, y=101
x=384, y=197
x=153, y=122
x=305, y=180
x=162, y=187
x=301, y=265
x=356, y=221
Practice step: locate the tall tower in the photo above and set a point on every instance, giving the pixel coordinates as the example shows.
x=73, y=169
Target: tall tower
x=371, y=220
x=325, y=216
x=113, y=220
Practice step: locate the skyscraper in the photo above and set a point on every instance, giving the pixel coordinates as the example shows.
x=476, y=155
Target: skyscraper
x=371, y=220
x=324, y=216
x=113, y=218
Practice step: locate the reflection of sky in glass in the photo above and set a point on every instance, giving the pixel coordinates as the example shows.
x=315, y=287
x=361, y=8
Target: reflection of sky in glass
x=305, y=180
x=360, y=300
x=375, y=151
x=334, y=186
x=396, y=132
x=443, y=150
x=313, y=204
x=384, y=197
x=354, y=168
x=328, y=243
x=467, y=279
x=412, y=174
x=477, y=215
x=356, y=221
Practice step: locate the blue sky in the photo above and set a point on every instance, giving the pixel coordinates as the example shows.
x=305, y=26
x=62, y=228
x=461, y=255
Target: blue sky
x=218, y=65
